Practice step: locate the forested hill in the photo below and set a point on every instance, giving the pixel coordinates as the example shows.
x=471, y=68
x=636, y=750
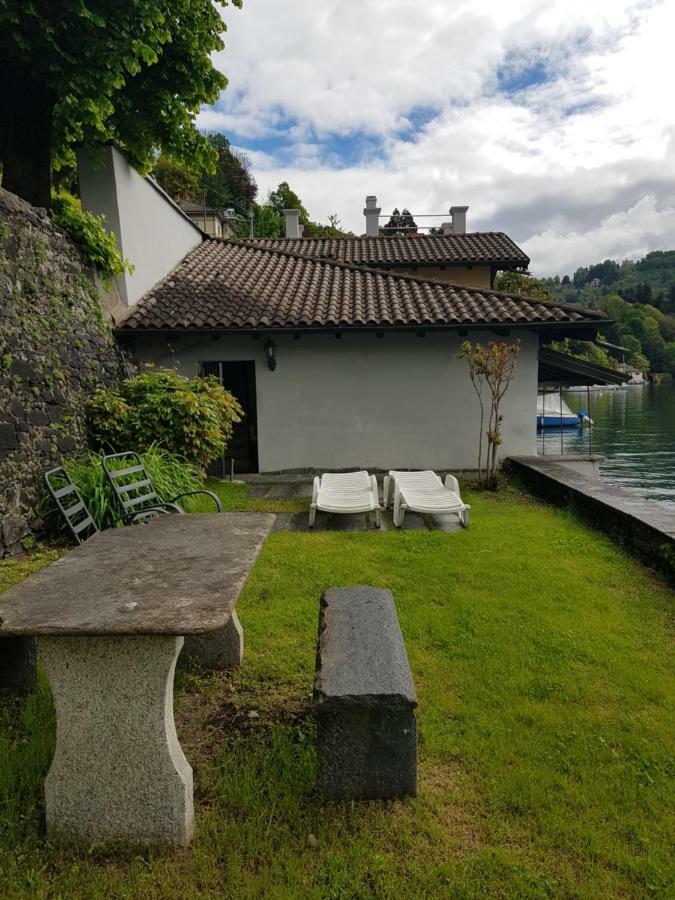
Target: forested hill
x=650, y=280
x=639, y=298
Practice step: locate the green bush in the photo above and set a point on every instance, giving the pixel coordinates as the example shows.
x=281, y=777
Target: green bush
x=191, y=417
x=87, y=231
x=169, y=474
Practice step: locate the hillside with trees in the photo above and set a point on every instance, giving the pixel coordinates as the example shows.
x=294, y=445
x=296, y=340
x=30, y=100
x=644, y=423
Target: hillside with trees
x=645, y=331
x=648, y=281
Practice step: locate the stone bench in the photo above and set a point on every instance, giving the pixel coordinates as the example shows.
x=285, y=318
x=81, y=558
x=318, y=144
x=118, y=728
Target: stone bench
x=364, y=699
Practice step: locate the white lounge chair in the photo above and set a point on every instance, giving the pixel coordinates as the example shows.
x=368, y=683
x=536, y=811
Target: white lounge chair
x=424, y=492
x=345, y=493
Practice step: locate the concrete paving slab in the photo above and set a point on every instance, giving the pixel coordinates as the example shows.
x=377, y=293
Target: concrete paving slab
x=282, y=492
x=413, y=522
x=446, y=523
x=300, y=522
x=356, y=522
x=283, y=522
x=259, y=491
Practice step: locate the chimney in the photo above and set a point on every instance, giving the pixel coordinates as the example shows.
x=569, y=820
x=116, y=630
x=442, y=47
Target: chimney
x=458, y=214
x=372, y=214
x=292, y=217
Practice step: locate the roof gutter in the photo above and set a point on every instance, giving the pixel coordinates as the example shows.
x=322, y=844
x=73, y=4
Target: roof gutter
x=551, y=329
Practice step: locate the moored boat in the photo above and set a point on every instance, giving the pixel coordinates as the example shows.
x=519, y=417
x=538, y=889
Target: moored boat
x=553, y=412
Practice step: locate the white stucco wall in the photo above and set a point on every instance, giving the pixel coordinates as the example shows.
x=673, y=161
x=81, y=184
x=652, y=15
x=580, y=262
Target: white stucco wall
x=150, y=231
x=401, y=401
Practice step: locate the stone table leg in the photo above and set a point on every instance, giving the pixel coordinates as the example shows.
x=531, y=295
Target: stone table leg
x=220, y=649
x=118, y=769
x=18, y=672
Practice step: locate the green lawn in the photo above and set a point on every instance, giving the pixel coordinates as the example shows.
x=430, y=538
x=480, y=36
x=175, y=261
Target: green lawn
x=542, y=660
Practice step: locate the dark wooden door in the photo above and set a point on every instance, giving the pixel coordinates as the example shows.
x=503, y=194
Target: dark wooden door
x=239, y=379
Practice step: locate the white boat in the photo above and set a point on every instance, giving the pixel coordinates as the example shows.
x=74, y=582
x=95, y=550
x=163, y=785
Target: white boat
x=553, y=412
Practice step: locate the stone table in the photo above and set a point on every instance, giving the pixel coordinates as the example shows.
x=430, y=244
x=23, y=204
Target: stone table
x=110, y=619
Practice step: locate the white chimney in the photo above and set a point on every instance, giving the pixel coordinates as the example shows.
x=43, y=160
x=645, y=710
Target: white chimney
x=292, y=217
x=372, y=214
x=458, y=214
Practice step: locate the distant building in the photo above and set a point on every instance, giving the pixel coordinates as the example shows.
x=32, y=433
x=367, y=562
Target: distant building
x=215, y=222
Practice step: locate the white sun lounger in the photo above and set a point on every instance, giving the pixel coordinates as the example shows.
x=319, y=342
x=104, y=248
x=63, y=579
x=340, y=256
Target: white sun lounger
x=345, y=493
x=424, y=492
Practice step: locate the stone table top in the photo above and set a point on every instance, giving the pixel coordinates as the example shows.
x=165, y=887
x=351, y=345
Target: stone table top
x=174, y=575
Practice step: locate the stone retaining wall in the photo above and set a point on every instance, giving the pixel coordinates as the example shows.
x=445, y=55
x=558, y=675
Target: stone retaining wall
x=55, y=351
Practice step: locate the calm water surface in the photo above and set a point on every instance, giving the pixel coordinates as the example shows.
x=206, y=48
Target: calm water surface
x=634, y=429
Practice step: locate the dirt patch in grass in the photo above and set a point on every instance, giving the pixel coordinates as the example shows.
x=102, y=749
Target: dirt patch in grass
x=243, y=715
x=216, y=710
x=453, y=803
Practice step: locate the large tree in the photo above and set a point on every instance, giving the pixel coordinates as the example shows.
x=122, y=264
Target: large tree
x=284, y=197
x=131, y=71
x=232, y=182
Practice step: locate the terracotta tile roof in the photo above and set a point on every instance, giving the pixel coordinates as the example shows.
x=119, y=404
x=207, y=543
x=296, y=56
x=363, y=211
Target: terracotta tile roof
x=228, y=284
x=481, y=247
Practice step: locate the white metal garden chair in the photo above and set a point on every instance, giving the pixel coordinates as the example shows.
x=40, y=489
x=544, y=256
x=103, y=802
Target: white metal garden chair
x=345, y=493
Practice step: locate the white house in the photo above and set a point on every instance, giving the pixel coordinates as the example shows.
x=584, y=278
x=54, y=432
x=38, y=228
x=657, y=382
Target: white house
x=339, y=355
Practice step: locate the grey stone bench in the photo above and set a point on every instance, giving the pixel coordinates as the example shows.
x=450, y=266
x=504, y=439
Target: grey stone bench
x=364, y=699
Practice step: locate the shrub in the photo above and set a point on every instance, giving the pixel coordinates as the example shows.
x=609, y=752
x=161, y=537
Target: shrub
x=191, y=417
x=169, y=474
x=97, y=246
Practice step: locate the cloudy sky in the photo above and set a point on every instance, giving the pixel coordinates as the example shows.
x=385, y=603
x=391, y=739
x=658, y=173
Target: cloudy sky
x=553, y=120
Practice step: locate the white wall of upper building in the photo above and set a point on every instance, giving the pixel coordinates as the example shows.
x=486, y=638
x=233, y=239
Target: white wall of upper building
x=152, y=233
x=392, y=403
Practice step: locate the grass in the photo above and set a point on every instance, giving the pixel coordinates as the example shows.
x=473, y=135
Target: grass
x=542, y=660
x=236, y=497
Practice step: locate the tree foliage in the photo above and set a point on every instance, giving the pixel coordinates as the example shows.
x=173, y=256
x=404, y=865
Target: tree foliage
x=268, y=217
x=525, y=285
x=97, y=246
x=231, y=183
x=190, y=417
x=178, y=180
x=134, y=72
x=285, y=198
x=400, y=223
x=643, y=329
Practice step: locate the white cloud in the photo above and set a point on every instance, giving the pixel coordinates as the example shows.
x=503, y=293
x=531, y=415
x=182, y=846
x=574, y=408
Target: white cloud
x=623, y=235
x=570, y=167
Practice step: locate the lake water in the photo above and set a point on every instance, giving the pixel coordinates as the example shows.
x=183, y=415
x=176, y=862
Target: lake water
x=634, y=429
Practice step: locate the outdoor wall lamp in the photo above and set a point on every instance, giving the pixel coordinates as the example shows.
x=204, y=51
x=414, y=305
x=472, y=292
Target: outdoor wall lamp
x=270, y=349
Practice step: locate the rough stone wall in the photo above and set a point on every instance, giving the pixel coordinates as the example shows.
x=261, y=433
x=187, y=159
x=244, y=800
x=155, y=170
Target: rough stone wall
x=55, y=351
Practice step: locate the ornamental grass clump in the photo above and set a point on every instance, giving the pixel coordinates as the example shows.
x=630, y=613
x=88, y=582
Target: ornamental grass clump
x=169, y=474
x=192, y=418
